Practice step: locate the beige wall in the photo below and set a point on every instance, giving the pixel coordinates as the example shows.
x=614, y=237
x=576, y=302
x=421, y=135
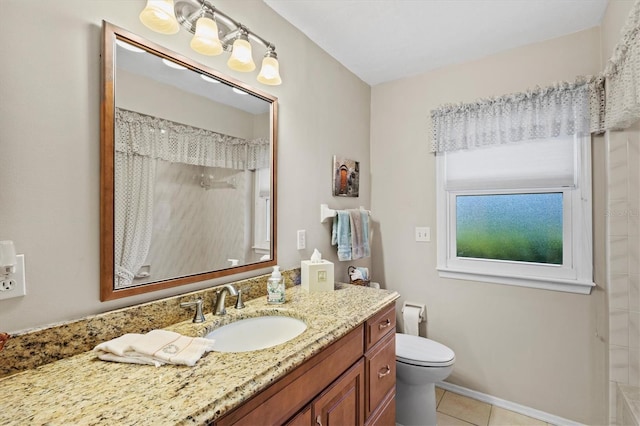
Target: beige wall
x=533, y=347
x=49, y=144
x=150, y=97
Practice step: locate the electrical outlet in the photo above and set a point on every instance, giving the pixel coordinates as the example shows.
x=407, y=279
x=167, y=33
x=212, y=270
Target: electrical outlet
x=302, y=239
x=423, y=234
x=14, y=285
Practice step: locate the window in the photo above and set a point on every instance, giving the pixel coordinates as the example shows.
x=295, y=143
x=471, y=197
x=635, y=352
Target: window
x=517, y=214
x=262, y=211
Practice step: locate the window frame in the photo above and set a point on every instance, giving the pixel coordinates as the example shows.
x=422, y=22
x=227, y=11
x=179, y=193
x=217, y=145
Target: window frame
x=575, y=275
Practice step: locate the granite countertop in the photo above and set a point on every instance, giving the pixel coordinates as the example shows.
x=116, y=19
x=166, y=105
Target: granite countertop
x=83, y=390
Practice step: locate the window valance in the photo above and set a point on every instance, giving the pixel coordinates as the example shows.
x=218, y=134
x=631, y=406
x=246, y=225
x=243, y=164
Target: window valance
x=178, y=143
x=560, y=110
x=259, y=154
x=622, y=74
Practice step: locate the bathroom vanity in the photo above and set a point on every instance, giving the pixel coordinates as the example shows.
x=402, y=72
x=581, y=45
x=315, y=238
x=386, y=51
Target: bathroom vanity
x=341, y=370
x=350, y=382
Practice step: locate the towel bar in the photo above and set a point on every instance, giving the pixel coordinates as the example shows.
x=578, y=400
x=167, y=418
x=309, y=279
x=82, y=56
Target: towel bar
x=327, y=213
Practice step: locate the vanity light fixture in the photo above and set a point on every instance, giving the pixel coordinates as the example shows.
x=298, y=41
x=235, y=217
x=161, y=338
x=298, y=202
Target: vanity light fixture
x=214, y=32
x=159, y=16
x=241, y=58
x=205, y=40
x=270, y=71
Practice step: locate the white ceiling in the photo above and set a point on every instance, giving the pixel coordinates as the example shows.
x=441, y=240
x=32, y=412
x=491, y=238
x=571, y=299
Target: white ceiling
x=384, y=40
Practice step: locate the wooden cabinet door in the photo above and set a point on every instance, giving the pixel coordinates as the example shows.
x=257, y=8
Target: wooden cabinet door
x=343, y=402
x=380, y=368
x=302, y=419
x=385, y=415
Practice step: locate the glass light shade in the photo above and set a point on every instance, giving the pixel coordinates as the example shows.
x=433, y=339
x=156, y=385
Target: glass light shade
x=205, y=40
x=270, y=72
x=241, y=59
x=159, y=16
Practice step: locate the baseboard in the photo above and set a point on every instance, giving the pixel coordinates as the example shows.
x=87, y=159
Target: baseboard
x=508, y=405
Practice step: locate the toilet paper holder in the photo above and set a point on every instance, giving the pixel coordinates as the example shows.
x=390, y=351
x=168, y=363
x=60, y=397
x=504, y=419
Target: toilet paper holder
x=420, y=306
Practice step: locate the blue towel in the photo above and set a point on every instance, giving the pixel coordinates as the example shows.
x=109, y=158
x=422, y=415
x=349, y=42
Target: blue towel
x=341, y=235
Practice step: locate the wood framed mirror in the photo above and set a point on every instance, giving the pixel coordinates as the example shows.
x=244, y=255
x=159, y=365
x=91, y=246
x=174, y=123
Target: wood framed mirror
x=187, y=170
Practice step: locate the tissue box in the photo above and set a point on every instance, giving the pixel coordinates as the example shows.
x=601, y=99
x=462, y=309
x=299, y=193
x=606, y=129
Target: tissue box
x=317, y=276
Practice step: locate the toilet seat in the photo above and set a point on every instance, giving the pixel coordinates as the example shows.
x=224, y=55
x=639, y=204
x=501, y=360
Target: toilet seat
x=422, y=352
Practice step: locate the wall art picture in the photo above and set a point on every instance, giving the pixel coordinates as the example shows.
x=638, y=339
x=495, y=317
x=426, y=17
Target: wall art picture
x=346, y=177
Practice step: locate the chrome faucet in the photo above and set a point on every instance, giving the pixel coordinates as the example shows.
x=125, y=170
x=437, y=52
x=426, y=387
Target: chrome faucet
x=220, y=296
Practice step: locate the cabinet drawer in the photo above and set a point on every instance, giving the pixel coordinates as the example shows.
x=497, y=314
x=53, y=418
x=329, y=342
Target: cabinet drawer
x=380, y=371
x=379, y=325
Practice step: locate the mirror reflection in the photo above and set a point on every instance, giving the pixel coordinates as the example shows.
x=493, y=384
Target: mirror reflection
x=192, y=171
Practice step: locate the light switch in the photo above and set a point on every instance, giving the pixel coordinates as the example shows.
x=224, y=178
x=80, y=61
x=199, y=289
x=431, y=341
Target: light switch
x=302, y=239
x=423, y=234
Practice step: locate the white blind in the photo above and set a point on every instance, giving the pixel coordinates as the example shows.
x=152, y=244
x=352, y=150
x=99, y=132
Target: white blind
x=543, y=163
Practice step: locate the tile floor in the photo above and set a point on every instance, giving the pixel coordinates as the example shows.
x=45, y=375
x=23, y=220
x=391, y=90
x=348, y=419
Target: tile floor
x=458, y=410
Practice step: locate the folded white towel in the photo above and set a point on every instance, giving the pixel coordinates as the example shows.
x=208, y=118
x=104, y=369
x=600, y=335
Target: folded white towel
x=119, y=345
x=171, y=347
x=133, y=359
x=157, y=347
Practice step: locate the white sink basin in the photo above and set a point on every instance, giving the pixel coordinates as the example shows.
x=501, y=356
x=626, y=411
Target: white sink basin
x=257, y=333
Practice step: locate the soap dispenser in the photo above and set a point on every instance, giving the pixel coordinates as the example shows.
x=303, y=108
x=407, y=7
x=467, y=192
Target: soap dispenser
x=275, y=287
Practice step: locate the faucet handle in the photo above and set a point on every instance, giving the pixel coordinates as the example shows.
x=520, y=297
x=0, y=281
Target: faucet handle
x=239, y=303
x=198, y=316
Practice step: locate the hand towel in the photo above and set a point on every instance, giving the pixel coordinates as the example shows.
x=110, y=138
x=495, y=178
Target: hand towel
x=359, y=234
x=133, y=359
x=119, y=350
x=157, y=347
x=119, y=345
x=366, y=247
x=364, y=272
x=341, y=234
x=172, y=348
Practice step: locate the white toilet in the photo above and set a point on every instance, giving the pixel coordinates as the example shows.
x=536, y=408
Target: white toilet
x=420, y=363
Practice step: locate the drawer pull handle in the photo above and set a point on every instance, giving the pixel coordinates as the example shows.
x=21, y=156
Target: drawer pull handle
x=386, y=369
x=385, y=324
x=319, y=420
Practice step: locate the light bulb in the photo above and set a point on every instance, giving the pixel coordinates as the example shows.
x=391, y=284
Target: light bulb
x=270, y=71
x=158, y=15
x=241, y=59
x=205, y=40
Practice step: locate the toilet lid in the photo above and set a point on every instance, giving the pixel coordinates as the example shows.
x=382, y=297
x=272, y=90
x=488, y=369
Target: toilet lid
x=416, y=350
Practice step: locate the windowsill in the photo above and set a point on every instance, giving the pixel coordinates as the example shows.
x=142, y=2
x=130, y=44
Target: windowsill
x=564, y=285
x=261, y=249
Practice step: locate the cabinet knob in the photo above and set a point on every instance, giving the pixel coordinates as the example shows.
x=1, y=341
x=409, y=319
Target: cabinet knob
x=384, y=371
x=319, y=420
x=385, y=324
